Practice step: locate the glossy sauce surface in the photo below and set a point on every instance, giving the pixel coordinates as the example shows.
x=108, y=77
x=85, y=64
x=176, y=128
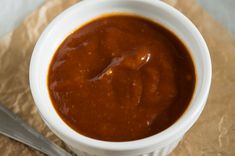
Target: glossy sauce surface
x=121, y=78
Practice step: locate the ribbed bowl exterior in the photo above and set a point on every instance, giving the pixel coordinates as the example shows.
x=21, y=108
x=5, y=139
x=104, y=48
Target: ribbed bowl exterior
x=164, y=151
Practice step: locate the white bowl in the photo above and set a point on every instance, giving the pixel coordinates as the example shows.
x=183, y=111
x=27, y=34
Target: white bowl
x=71, y=19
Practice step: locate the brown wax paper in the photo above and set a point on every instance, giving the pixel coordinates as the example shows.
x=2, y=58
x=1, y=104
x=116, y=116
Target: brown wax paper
x=212, y=135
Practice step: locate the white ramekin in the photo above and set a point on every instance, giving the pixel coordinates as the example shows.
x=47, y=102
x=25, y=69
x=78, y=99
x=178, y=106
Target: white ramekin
x=158, y=145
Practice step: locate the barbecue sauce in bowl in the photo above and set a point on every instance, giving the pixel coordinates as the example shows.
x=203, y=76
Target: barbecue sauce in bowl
x=121, y=78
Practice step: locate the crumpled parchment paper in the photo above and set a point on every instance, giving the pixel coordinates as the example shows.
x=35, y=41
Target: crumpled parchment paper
x=212, y=135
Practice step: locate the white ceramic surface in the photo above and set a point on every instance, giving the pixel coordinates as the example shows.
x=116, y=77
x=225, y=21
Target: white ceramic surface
x=158, y=145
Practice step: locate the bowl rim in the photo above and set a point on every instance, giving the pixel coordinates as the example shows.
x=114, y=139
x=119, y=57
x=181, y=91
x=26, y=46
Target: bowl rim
x=184, y=122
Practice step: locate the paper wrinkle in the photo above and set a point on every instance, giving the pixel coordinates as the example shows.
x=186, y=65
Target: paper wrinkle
x=222, y=131
x=212, y=135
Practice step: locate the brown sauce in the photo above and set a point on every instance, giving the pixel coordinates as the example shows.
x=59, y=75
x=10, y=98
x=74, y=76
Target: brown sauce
x=121, y=78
